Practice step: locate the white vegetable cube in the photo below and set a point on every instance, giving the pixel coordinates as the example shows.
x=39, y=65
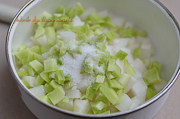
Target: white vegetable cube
x=66, y=105
x=135, y=102
x=67, y=35
x=146, y=50
x=133, y=44
x=83, y=85
x=81, y=106
x=38, y=91
x=139, y=90
x=77, y=22
x=30, y=80
x=131, y=82
x=125, y=103
x=73, y=93
x=138, y=65
x=42, y=41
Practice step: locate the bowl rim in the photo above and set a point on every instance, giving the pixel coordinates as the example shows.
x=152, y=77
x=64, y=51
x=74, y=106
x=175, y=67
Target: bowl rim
x=171, y=82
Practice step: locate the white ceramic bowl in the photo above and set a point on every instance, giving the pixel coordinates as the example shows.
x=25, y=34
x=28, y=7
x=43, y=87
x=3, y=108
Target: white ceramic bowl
x=149, y=15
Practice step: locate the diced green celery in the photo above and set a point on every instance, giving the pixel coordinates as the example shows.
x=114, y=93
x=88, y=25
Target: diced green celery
x=110, y=35
x=124, y=79
x=40, y=31
x=43, y=50
x=39, y=81
x=156, y=65
x=21, y=47
x=94, y=19
x=50, y=65
x=98, y=107
x=109, y=93
x=60, y=78
x=95, y=86
x=114, y=69
x=65, y=100
x=44, y=15
x=68, y=77
x=127, y=32
x=30, y=70
x=22, y=72
x=37, y=66
x=71, y=12
x=110, y=76
x=121, y=55
x=108, y=22
x=87, y=67
x=129, y=68
x=115, y=84
x=152, y=76
x=56, y=95
x=26, y=84
x=54, y=84
x=69, y=85
x=51, y=35
x=45, y=77
x=90, y=93
x=26, y=56
x=150, y=93
x=101, y=46
x=100, y=79
x=46, y=99
x=137, y=53
x=79, y=9
x=61, y=10
x=48, y=88
x=52, y=75
x=35, y=49
x=101, y=97
x=120, y=94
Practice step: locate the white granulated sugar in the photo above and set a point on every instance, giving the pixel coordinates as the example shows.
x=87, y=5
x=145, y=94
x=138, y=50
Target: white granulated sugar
x=73, y=66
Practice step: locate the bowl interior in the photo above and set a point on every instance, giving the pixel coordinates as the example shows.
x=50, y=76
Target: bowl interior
x=146, y=14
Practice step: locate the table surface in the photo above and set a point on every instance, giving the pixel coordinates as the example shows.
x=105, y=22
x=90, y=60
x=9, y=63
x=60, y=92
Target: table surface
x=11, y=105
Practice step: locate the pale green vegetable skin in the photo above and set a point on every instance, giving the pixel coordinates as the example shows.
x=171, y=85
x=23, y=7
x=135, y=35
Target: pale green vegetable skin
x=110, y=84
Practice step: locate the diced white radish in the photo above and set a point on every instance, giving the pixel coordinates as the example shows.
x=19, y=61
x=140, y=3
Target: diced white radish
x=133, y=44
x=130, y=84
x=67, y=35
x=138, y=75
x=38, y=91
x=42, y=41
x=30, y=80
x=81, y=106
x=138, y=65
x=146, y=49
x=135, y=102
x=73, y=93
x=67, y=106
x=77, y=22
x=118, y=44
x=159, y=87
x=125, y=103
x=83, y=85
x=139, y=89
